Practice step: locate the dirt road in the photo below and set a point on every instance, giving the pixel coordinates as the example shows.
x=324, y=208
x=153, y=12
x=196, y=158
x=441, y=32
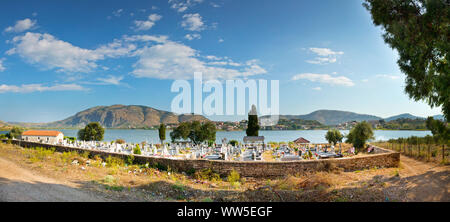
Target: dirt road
x=425, y=181
x=19, y=184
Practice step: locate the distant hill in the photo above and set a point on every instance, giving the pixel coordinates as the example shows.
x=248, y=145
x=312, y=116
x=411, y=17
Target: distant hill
x=121, y=116
x=331, y=117
x=403, y=116
x=4, y=125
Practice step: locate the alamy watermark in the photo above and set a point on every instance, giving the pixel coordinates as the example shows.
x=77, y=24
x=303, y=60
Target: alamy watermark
x=234, y=94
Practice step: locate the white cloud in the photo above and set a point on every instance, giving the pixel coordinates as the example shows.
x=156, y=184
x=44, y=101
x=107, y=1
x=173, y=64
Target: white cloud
x=365, y=80
x=28, y=88
x=325, y=78
x=2, y=67
x=221, y=40
x=192, y=22
x=192, y=36
x=146, y=38
x=183, y=5
x=173, y=60
x=317, y=88
x=393, y=77
x=325, y=51
x=52, y=53
x=111, y=80
x=22, y=25
x=118, y=12
x=326, y=56
x=147, y=24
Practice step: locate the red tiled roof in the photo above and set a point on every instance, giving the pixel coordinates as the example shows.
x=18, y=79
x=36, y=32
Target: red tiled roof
x=301, y=140
x=41, y=133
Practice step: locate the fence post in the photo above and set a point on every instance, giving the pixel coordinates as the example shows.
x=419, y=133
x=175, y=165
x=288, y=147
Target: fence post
x=443, y=153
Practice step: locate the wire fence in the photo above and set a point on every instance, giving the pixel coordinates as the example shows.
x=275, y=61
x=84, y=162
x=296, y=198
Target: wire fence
x=431, y=152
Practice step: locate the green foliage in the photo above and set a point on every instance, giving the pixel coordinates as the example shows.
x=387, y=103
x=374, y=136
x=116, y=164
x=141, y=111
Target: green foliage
x=234, y=142
x=69, y=138
x=92, y=132
x=233, y=176
x=419, y=31
x=114, y=161
x=207, y=174
x=162, y=132
x=195, y=131
x=130, y=159
x=439, y=129
x=15, y=132
x=360, y=134
x=137, y=150
x=253, y=126
x=334, y=136
x=3, y=136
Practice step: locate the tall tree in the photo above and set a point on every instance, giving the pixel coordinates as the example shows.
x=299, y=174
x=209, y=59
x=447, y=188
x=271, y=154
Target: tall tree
x=15, y=132
x=162, y=132
x=253, y=126
x=420, y=31
x=334, y=136
x=92, y=132
x=360, y=134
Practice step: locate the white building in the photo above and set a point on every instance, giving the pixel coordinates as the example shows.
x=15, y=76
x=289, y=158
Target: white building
x=46, y=136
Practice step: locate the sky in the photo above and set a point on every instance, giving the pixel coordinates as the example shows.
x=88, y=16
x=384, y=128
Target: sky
x=60, y=57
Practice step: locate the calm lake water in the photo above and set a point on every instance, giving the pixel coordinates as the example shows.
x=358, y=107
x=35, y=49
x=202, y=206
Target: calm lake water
x=315, y=136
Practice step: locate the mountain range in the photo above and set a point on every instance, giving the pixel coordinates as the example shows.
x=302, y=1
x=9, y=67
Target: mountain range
x=135, y=116
x=120, y=116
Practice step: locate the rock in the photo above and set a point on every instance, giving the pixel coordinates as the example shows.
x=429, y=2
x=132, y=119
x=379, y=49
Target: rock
x=103, y=164
x=75, y=162
x=83, y=168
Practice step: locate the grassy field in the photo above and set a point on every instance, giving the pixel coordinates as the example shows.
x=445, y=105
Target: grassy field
x=118, y=181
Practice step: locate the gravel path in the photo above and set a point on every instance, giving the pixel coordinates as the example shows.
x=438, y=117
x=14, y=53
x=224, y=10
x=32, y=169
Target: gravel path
x=19, y=184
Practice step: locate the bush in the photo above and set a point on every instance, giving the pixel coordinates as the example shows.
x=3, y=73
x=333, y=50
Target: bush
x=233, y=176
x=130, y=159
x=207, y=174
x=234, y=142
x=137, y=150
x=114, y=161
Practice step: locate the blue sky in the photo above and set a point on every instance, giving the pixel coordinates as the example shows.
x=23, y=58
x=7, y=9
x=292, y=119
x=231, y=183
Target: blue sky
x=60, y=57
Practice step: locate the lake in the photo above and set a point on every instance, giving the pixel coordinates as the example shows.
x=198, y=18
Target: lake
x=315, y=136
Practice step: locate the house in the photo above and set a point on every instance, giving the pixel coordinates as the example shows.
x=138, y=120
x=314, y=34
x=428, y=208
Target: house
x=47, y=136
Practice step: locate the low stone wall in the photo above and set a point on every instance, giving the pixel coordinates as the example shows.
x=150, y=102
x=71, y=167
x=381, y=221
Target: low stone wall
x=381, y=158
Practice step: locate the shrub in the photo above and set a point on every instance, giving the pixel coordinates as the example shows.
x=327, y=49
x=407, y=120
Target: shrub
x=234, y=142
x=234, y=176
x=137, y=150
x=114, y=161
x=207, y=174
x=130, y=159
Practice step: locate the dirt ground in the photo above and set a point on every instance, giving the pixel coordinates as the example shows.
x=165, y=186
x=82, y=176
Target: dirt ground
x=51, y=180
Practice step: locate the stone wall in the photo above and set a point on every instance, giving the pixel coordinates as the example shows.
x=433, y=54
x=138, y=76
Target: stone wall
x=381, y=158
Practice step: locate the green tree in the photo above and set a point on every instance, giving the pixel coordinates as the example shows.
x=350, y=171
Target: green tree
x=15, y=132
x=162, y=132
x=92, y=132
x=334, y=136
x=439, y=129
x=137, y=150
x=420, y=32
x=253, y=126
x=360, y=134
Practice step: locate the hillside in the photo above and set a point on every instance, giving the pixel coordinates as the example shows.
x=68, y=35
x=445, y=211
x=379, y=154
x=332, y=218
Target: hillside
x=121, y=116
x=403, y=116
x=4, y=125
x=330, y=117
